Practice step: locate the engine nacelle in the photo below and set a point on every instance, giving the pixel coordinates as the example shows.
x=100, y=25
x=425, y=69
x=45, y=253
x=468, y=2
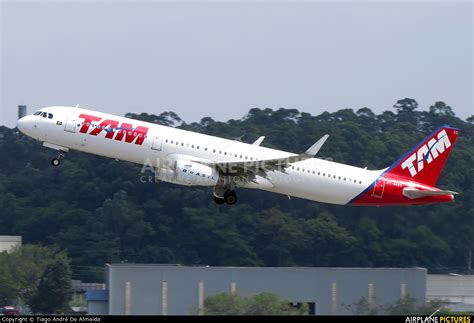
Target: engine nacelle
x=192, y=173
x=189, y=173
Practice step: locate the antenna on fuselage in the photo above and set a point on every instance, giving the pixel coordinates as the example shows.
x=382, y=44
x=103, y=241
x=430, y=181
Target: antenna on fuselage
x=77, y=106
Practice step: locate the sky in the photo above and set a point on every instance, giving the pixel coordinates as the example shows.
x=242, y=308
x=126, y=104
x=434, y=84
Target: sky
x=223, y=58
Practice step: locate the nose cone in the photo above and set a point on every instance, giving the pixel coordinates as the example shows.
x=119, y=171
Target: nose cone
x=21, y=124
x=26, y=125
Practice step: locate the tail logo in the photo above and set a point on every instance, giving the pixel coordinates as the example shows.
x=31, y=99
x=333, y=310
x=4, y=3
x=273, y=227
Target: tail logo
x=427, y=153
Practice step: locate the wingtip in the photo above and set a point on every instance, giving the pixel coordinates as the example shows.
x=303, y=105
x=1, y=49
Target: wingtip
x=314, y=149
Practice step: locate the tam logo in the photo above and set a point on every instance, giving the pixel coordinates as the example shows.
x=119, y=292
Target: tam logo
x=125, y=130
x=427, y=153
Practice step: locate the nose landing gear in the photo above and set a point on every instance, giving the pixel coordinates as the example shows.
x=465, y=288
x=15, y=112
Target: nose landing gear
x=56, y=161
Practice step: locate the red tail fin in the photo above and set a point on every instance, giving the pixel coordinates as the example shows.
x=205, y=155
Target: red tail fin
x=424, y=163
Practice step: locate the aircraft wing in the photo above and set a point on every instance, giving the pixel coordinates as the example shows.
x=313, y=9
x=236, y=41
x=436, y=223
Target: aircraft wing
x=248, y=169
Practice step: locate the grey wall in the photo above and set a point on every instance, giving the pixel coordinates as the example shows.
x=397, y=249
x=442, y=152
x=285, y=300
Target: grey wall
x=297, y=284
x=97, y=308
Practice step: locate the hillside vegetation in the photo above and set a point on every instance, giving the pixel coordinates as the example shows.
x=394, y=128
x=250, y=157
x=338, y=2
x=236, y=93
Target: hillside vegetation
x=100, y=211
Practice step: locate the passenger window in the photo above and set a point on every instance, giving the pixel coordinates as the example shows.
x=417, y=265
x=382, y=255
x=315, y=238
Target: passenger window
x=166, y=140
x=182, y=144
x=205, y=149
x=225, y=152
x=192, y=146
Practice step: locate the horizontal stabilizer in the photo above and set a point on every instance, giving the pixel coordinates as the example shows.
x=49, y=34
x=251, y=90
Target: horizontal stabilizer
x=413, y=193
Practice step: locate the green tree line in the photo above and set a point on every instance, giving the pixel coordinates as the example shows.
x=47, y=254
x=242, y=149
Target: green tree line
x=101, y=211
x=36, y=276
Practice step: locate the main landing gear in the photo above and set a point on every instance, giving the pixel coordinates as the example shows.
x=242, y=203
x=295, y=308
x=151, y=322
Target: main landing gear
x=56, y=161
x=229, y=197
x=224, y=191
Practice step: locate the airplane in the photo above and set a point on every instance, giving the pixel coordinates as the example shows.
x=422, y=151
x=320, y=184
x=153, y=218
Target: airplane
x=194, y=159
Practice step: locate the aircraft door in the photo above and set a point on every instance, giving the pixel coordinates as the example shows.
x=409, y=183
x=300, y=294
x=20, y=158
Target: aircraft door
x=71, y=121
x=379, y=188
x=157, y=141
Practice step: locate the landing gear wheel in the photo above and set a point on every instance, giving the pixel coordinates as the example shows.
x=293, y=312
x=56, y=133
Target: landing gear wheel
x=56, y=161
x=230, y=197
x=218, y=200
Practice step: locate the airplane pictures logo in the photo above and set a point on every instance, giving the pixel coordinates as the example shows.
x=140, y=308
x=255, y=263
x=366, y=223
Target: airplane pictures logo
x=427, y=153
x=113, y=130
x=439, y=319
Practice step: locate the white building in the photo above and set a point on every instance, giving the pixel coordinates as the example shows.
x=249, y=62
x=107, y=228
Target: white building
x=8, y=243
x=456, y=290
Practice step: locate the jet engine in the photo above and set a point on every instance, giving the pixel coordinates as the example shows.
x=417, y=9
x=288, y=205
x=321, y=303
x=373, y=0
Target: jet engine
x=186, y=172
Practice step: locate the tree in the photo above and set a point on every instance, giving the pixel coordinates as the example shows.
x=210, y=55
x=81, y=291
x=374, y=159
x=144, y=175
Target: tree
x=54, y=290
x=224, y=304
x=259, y=304
x=406, y=105
x=272, y=304
x=28, y=264
x=8, y=288
x=362, y=307
x=409, y=306
x=441, y=108
x=406, y=110
x=26, y=272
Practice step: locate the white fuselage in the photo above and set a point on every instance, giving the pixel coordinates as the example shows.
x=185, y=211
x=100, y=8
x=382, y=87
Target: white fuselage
x=314, y=179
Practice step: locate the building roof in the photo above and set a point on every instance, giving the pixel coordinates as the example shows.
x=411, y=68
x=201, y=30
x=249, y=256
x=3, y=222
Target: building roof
x=10, y=239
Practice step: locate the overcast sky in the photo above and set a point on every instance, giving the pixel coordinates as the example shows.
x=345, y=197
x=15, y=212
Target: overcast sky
x=220, y=59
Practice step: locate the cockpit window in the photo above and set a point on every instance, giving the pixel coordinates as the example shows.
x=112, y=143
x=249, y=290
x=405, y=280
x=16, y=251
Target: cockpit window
x=50, y=116
x=44, y=114
x=37, y=113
